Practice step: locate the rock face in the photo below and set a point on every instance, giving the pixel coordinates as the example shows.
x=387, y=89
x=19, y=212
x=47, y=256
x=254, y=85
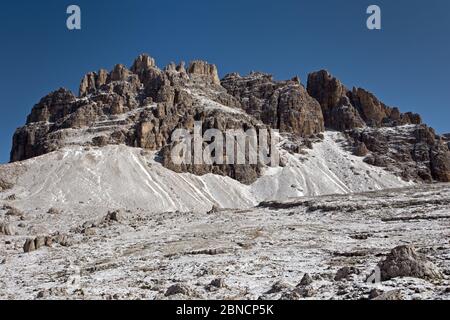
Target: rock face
x=143, y=105
x=204, y=71
x=140, y=107
x=404, y=261
x=338, y=112
x=283, y=105
x=377, y=114
x=412, y=152
x=387, y=138
x=446, y=139
x=344, y=109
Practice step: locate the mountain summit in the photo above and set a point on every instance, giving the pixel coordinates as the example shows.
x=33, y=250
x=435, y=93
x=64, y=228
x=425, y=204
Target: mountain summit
x=141, y=107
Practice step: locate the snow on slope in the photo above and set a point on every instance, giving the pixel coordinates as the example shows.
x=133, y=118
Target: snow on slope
x=125, y=177
x=327, y=169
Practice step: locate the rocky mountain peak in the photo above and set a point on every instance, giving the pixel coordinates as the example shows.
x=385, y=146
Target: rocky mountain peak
x=345, y=109
x=93, y=81
x=143, y=105
x=283, y=105
x=52, y=106
x=204, y=70
x=143, y=63
x=120, y=73
x=338, y=111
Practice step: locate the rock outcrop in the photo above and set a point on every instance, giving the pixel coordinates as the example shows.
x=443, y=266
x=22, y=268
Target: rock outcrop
x=338, y=112
x=139, y=107
x=376, y=114
x=283, y=105
x=6, y=229
x=413, y=152
x=143, y=105
x=344, y=109
x=404, y=261
x=205, y=71
x=37, y=243
x=446, y=139
x=387, y=138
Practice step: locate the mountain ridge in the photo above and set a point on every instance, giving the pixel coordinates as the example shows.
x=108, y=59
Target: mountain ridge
x=143, y=105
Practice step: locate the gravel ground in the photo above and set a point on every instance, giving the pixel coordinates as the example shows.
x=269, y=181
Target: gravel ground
x=258, y=253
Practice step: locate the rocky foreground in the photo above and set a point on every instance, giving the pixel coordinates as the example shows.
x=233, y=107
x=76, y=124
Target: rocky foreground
x=308, y=248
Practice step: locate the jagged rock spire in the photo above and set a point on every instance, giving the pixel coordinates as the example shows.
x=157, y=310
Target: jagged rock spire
x=92, y=82
x=204, y=70
x=143, y=63
x=344, y=109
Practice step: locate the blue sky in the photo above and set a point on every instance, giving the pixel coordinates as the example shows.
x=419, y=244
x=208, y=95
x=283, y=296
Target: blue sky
x=406, y=64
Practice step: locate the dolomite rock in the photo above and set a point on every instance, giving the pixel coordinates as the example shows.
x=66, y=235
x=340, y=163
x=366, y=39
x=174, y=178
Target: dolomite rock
x=306, y=280
x=375, y=113
x=116, y=216
x=37, y=243
x=92, y=82
x=344, y=109
x=180, y=289
x=120, y=73
x=345, y=273
x=13, y=212
x=337, y=110
x=404, y=261
x=279, y=286
x=218, y=283
x=54, y=211
x=52, y=107
x=205, y=70
x=142, y=64
x=5, y=185
x=440, y=162
x=143, y=105
x=412, y=152
x=389, y=296
x=7, y=229
x=305, y=291
x=29, y=245
x=360, y=149
x=88, y=84
x=283, y=105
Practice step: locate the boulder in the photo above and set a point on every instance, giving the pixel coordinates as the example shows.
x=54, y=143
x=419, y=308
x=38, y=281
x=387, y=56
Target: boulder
x=116, y=216
x=345, y=273
x=279, y=286
x=404, y=261
x=29, y=245
x=390, y=295
x=218, y=283
x=39, y=242
x=179, y=288
x=360, y=149
x=306, y=280
x=7, y=229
